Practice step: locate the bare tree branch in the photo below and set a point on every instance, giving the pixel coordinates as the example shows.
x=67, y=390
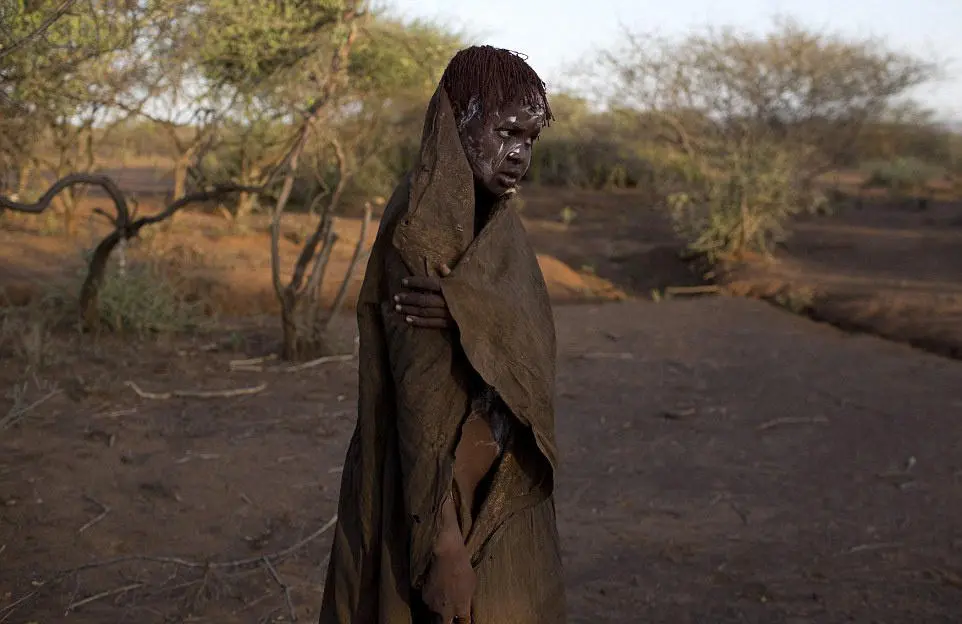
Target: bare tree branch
x=352, y=267
x=124, y=226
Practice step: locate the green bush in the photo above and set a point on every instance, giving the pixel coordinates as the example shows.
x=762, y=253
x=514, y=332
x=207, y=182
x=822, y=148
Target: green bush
x=142, y=298
x=145, y=300
x=596, y=164
x=906, y=174
x=742, y=206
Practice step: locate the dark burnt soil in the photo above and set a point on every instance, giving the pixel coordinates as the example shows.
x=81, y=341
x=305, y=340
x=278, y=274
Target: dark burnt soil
x=722, y=462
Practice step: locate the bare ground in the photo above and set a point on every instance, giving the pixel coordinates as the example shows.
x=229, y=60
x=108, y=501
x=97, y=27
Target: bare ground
x=723, y=461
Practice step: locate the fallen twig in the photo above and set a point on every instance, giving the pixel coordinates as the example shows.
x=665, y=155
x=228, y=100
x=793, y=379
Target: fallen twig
x=284, y=586
x=190, y=456
x=104, y=510
x=709, y=289
x=875, y=546
x=9, y=610
x=817, y=420
x=16, y=414
x=208, y=567
x=197, y=394
x=103, y=594
x=742, y=514
x=949, y=578
x=253, y=603
x=249, y=362
x=116, y=413
x=608, y=356
x=237, y=563
x=269, y=617
x=327, y=359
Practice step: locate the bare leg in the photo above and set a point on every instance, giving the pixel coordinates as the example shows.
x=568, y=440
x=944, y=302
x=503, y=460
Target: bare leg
x=474, y=459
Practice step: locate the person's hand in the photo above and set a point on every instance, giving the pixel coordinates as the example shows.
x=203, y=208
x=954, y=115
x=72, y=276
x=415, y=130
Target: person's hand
x=422, y=303
x=451, y=581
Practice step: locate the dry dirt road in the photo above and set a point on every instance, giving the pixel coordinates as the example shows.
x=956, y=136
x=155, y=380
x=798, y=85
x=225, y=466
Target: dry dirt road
x=724, y=462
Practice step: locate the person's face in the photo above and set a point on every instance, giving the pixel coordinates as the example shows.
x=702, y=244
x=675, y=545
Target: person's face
x=498, y=145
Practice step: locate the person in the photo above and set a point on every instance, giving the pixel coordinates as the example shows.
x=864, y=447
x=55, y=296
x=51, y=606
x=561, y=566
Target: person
x=446, y=510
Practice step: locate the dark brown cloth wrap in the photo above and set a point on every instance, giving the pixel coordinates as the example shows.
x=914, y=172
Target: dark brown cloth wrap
x=414, y=395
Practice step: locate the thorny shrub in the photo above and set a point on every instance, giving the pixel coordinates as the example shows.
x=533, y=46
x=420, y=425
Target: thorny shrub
x=142, y=297
x=740, y=207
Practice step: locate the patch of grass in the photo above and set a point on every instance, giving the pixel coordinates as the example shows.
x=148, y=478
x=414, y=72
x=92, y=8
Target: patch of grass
x=25, y=337
x=796, y=300
x=567, y=215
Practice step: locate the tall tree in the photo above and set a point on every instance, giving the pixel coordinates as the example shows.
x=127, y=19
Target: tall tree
x=60, y=65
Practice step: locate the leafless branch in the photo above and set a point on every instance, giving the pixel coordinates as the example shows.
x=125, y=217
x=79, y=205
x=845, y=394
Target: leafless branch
x=327, y=359
x=104, y=512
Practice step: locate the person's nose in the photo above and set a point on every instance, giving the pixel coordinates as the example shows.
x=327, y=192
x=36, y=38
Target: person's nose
x=521, y=154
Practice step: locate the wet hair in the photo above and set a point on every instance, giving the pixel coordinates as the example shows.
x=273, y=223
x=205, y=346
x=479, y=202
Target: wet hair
x=482, y=79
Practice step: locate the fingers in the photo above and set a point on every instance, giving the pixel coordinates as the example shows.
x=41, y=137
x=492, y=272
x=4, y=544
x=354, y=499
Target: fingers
x=462, y=614
x=422, y=282
x=422, y=312
x=427, y=282
x=430, y=323
x=448, y=615
x=420, y=300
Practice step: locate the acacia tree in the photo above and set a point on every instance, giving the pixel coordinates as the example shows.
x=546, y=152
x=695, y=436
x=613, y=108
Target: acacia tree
x=64, y=63
x=743, y=123
x=266, y=61
x=24, y=32
x=173, y=95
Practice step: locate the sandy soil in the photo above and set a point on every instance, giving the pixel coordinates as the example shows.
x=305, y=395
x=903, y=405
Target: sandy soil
x=723, y=461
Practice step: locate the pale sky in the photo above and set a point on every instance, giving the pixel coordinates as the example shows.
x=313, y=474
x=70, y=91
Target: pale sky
x=556, y=33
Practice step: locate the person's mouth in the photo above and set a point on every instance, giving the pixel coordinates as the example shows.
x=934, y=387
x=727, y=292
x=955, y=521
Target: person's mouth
x=508, y=179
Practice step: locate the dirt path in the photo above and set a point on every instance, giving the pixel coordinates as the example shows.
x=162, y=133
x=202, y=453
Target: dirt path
x=723, y=462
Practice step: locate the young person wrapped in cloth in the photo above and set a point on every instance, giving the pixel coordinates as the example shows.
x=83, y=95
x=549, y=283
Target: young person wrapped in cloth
x=446, y=510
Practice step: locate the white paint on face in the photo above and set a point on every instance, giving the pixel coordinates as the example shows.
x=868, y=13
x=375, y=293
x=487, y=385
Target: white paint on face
x=470, y=112
x=498, y=144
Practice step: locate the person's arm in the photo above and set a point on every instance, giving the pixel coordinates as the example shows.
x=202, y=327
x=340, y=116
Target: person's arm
x=421, y=303
x=450, y=583
x=449, y=587
x=431, y=377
